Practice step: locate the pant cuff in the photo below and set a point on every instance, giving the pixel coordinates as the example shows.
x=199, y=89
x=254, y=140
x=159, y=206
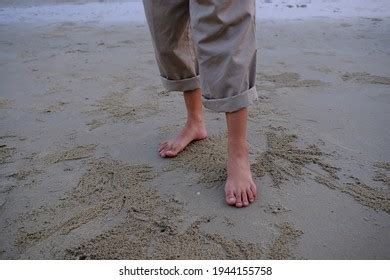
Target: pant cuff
x=232, y=103
x=181, y=85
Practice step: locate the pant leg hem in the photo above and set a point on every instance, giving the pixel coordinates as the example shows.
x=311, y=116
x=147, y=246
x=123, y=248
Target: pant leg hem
x=232, y=103
x=181, y=85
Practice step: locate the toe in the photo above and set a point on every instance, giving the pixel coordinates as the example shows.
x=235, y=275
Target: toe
x=163, y=151
x=244, y=196
x=167, y=147
x=163, y=142
x=238, y=200
x=170, y=153
x=250, y=195
x=253, y=189
x=162, y=146
x=230, y=198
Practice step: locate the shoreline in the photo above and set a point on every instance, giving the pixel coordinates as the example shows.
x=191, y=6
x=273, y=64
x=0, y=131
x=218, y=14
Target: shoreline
x=132, y=12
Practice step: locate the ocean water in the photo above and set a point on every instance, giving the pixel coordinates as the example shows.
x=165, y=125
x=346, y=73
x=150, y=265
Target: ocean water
x=111, y=11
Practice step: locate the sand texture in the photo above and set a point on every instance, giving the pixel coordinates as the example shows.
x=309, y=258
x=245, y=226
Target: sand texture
x=82, y=113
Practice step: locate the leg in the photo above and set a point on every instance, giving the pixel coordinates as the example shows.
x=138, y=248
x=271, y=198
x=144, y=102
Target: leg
x=224, y=35
x=169, y=25
x=240, y=189
x=194, y=128
x=168, y=22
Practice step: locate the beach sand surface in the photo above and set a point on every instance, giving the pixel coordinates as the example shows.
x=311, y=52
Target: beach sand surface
x=82, y=113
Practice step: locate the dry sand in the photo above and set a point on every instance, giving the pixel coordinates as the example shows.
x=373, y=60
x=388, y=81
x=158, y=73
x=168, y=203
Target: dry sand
x=82, y=112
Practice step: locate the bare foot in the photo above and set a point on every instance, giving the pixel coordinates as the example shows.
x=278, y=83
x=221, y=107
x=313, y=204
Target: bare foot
x=190, y=132
x=240, y=189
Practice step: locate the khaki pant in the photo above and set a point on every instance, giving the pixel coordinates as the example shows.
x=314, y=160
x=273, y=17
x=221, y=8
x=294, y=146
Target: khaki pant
x=207, y=44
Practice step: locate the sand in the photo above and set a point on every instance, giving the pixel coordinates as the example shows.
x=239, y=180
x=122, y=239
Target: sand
x=382, y=172
x=71, y=154
x=282, y=161
x=280, y=248
x=365, y=78
x=5, y=153
x=285, y=80
x=82, y=113
x=198, y=156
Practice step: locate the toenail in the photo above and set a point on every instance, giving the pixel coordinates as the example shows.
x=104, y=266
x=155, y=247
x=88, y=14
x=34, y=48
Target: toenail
x=231, y=200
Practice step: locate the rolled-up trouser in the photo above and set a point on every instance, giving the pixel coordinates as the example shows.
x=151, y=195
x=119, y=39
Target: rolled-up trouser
x=207, y=44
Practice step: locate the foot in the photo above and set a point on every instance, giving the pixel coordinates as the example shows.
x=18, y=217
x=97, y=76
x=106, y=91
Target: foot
x=190, y=132
x=240, y=190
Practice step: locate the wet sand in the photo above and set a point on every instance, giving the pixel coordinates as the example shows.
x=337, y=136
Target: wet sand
x=82, y=112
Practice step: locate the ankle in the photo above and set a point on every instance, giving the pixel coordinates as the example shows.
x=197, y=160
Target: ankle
x=195, y=120
x=238, y=149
